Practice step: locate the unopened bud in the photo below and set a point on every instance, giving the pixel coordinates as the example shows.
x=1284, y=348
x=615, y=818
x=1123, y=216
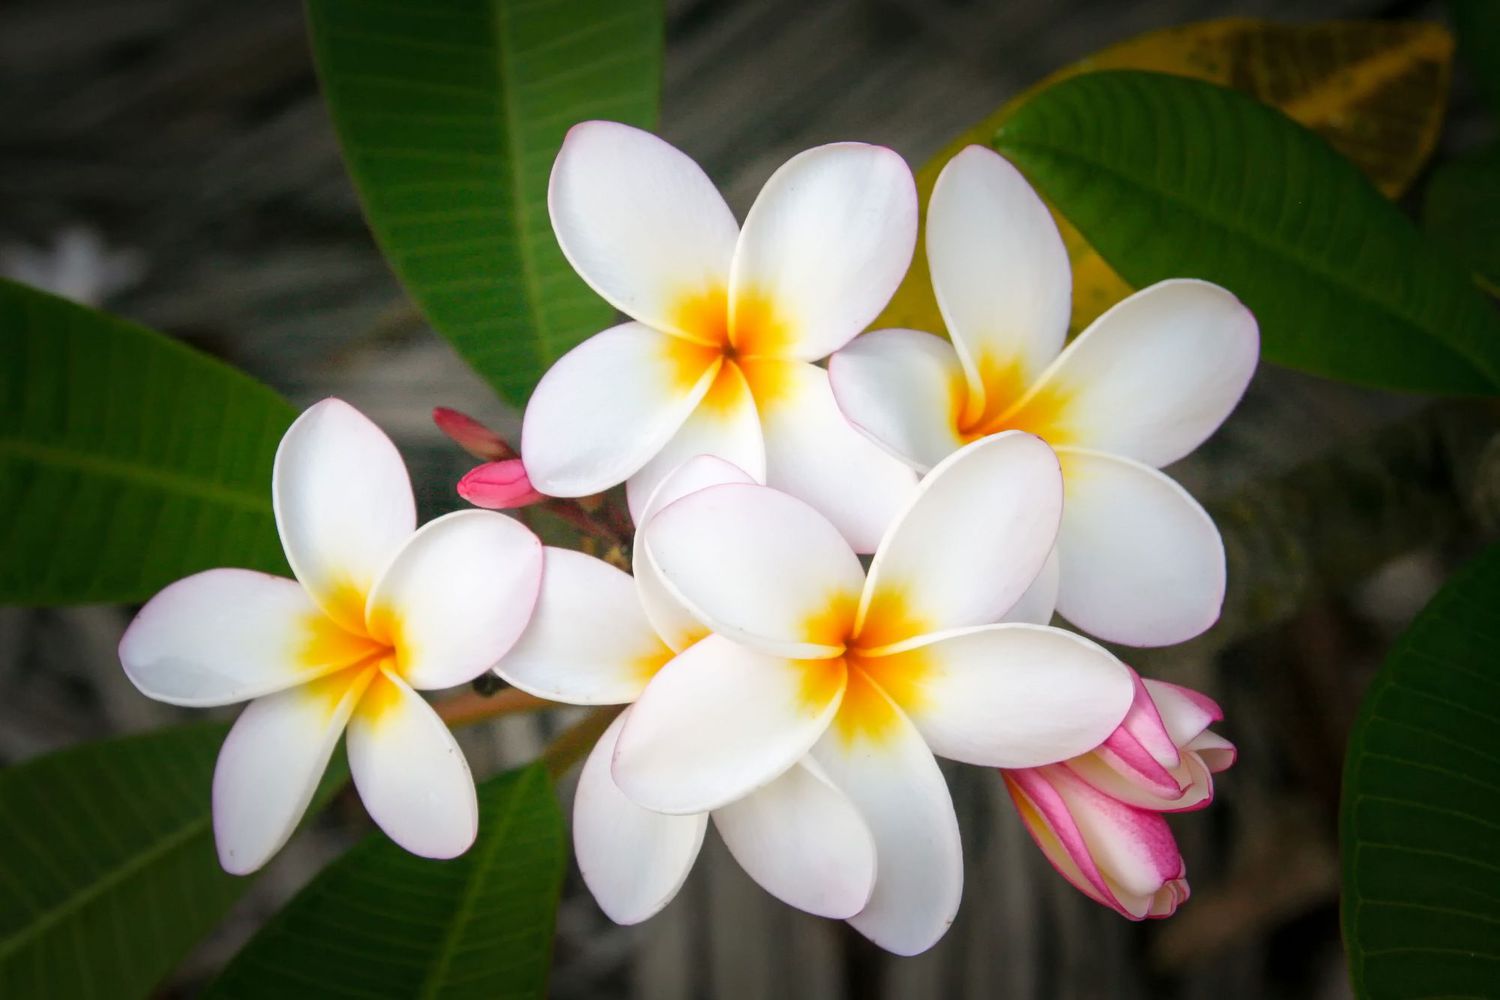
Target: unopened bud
x=498, y=486
x=472, y=436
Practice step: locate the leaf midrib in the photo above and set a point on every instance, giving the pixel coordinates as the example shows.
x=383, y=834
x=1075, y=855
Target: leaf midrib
x=134, y=472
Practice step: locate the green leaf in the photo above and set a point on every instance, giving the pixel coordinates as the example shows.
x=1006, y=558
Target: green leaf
x=450, y=115
x=1462, y=211
x=380, y=922
x=127, y=460
x=1477, y=25
x=1421, y=804
x=1169, y=177
x=108, y=874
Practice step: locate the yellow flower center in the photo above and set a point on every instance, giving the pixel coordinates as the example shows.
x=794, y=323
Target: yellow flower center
x=749, y=347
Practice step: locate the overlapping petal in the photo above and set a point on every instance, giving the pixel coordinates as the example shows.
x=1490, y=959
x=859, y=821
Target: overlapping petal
x=904, y=390
x=410, y=772
x=343, y=505
x=610, y=404
x=457, y=596
x=633, y=860
x=720, y=721
x=1141, y=561
x=999, y=272
x=1037, y=605
x=229, y=635
x=639, y=221
x=589, y=641
x=823, y=249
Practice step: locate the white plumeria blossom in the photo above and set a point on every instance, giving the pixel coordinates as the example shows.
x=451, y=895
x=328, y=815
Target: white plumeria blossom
x=799, y=836
x=379, y=610
x=1140, y=562
x=726, y=324
x=871, y=674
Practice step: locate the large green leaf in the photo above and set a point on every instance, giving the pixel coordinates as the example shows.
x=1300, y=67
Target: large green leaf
x=1170, y=177
x=450, y=115
x=380, y=922
x=127, y=460
x=1462, y=210
x=1421, y=804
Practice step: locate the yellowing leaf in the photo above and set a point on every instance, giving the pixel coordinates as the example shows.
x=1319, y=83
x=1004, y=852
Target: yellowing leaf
x=1375, y=90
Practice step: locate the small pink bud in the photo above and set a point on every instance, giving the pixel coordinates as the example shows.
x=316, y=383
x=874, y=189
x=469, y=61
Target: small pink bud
x=472, y=436
x=498, y=485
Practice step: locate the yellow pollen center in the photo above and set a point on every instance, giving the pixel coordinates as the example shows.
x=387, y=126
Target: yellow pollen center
x=750, y=349
x=346, y=662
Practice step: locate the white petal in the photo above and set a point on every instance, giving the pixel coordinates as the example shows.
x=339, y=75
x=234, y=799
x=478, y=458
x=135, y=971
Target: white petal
x=1037, y=605
x=1185, y=713
x=639, y=221
x=823, y=249
x=889, y=773
x=760, y=567
x=633, y=860
x=725, y=425
x=969, y=545
x=457, y=596
x=410, y=772
x=608, y=406
x=999, y=272
x=269, y=766
x=589, y=642
x=343, y=505
x=675, y=623
x=904, y=390
x=720, y=721
x=804, y=841
x=1156, y=374
x=1009, y=695
x=1141, y=562
x=228, y=635
x=815, y=454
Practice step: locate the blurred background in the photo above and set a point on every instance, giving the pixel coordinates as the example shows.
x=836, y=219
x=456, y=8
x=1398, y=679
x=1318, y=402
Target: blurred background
x=171, y=161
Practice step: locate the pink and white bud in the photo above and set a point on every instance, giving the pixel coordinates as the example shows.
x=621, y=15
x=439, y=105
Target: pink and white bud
x=1098, y=817
x=498, y=486
x=472, y=436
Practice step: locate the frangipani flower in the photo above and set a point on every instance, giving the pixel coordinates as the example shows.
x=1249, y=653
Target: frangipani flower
x=1140, y=560
x=378, y=611
x=872, y=674
x=725, y=324
x=1098, y=817
x=800, y=837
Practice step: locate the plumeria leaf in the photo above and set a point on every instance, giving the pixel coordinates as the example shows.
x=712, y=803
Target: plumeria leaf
x=127, y=460
x=1376, y=90
x=449, y=116
x=108, y=863
x=380, y=922
x=1421, y=880
x=1462, y=211
x=1171, y=177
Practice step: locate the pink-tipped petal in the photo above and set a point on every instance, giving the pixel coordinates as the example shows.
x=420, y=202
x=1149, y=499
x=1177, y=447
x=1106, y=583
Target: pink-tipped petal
x=472, y=436
x=1217, y=753
x=1184, y=712
x=498, y=486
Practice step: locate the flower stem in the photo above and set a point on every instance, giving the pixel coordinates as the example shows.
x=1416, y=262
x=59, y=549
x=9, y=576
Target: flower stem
x=471, y=706
x=573, y=743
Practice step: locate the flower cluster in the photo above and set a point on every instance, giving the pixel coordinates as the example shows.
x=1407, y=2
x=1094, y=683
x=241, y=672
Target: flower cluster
x=776, y=677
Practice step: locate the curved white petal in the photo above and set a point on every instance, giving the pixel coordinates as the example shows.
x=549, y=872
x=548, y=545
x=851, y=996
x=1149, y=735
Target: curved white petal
x=760, y=567
x=633, y=860
x=410, y=772
x=970, y=544
x=816, y=455
x=608, y=406
x=1141, y=562
x=893, y=779
x=904, y=390
x=1185, y=713
x=1156, y=374
x=675, y=623
x=725, y=425
x=343, y=505
x=589, y=642
x=999, y=272
x=804, y=841
x=1037, y=605
x=269, y=766
x=639, y=221
x=1010, y=695
x=228, y=635
x=720, y=721
x=823, y=249
x=457, y=596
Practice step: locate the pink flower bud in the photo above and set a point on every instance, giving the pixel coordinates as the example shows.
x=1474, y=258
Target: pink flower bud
x=472, y=436
x=498, y=485
x=1098, y=817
